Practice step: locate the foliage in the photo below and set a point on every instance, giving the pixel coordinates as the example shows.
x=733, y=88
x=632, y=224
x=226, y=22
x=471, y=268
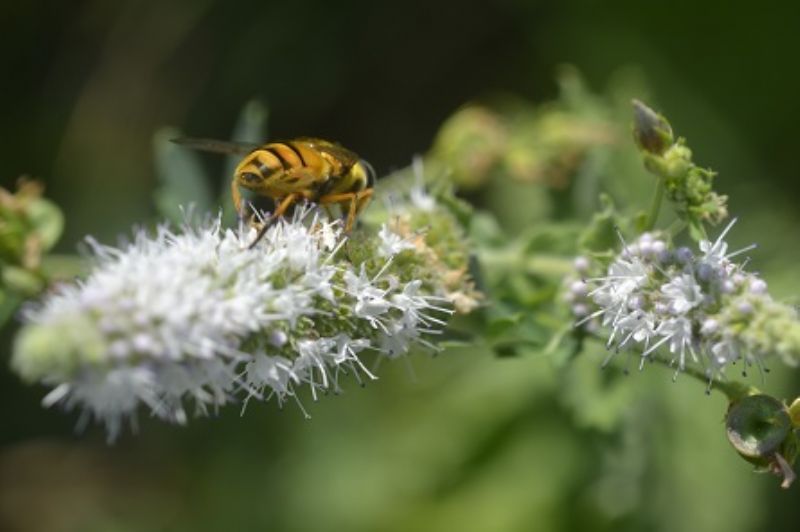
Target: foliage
x=29, y=227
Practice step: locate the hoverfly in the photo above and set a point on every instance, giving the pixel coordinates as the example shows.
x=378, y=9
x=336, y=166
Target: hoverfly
x=310, y=169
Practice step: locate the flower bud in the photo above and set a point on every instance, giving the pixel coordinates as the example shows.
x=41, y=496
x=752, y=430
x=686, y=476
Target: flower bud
x=651, y=131
x=470, y=143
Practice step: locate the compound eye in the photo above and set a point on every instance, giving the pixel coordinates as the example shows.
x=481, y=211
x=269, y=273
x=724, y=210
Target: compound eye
x=249, y=178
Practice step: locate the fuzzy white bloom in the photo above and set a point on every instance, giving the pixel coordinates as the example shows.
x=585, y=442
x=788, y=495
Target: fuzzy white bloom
x=682, y=293
x=700, y=308
x=392, y=243
x=196, y=317
x=418, y=196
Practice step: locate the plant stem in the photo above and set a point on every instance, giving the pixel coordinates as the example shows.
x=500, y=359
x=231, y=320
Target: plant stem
x=732, y=389
x=508, y=260
x=676, y=227
x=655, y=207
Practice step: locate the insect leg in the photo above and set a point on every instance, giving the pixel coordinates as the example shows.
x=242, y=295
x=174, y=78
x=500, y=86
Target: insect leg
x=341, y=198
x=358, y=200
x=364, y=198
x=357, y=204
x=237, y=199
x=284, y=204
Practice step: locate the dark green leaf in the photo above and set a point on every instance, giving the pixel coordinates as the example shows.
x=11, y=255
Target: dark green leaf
x=500, y=325
x=8, y=305
x=182, y=181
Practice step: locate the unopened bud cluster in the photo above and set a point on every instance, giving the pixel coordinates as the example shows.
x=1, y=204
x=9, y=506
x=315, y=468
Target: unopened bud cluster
x=700, y=306
x=29, y=226
x=688, y=186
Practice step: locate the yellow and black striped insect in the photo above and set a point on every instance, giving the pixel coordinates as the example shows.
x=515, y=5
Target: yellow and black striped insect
x=310, y=169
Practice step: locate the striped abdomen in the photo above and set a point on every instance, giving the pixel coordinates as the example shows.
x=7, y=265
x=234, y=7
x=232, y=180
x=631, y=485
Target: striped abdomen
x=309, y=167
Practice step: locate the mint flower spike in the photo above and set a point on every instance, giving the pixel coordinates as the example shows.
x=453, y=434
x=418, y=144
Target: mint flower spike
x=195, y=317
x=702, y=308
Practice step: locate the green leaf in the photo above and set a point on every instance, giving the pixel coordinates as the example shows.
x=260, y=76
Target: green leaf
x=8, y=305
x=250, y=127
x=507, y=349
x=182, y=180
x=21, y=281
x=553, y=238
x=459, y=208
x=484, y=230
x=500, y=325
x=696, y=230
x=602, y=232
x=565, y=344
x=597, y=398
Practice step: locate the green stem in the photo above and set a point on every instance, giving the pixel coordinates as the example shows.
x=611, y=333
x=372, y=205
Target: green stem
x=655, y=207
x=506, y=260
x=58, y=266
x=732, y=389
x=676, y=227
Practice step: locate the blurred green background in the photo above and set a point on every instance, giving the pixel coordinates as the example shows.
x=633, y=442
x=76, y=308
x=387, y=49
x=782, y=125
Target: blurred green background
x=470, y=442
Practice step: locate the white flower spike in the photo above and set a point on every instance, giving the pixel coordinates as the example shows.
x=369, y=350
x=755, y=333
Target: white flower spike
x=195, y=317
x=699, y=308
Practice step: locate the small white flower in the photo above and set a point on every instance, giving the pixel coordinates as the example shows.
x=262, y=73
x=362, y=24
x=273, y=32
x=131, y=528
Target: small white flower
x=579, y=288
x=678, y=332
x=683, y=293
x=421, y=199
x=758, y=286
x=392, y=243
x=397, y=339
x=418, y=196
x=638, y=326
x=273, y=372
x=310, y=366
x=709, y=326
x=371, y=301
x=625, y=276
x=724, y=352
x=581, y=265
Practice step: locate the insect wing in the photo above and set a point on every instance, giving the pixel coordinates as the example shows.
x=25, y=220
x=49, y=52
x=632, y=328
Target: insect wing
x=217, y=146
x=340, y=153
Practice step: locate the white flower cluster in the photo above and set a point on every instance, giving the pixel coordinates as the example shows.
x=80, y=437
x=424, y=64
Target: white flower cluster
x=198, y=316
x=701, y=307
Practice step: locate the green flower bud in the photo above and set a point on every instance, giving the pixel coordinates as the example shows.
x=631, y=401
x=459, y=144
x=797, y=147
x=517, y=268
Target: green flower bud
x=470, y=144
x=651, y=131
